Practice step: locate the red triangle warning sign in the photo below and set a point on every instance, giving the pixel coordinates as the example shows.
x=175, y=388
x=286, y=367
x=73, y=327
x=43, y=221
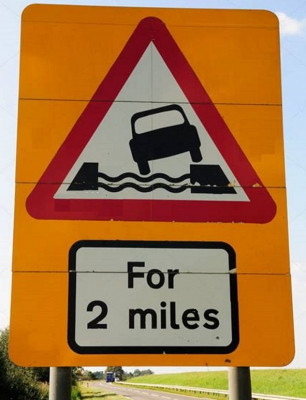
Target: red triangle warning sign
x=151, y=146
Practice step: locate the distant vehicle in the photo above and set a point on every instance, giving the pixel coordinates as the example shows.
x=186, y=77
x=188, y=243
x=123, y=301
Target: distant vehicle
x=110, y=377
x=164, y=142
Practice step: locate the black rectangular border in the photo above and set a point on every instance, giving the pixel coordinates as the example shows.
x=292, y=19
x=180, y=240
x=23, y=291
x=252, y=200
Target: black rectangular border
x=151, y=349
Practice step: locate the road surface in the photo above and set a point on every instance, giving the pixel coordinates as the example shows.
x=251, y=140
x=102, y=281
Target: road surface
x=139, y=393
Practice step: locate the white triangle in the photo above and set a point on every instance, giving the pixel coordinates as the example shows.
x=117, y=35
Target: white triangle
x=151, y=85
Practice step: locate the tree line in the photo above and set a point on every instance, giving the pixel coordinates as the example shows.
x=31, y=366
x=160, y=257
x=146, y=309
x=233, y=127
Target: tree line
x=85, y=375
x=21, y=383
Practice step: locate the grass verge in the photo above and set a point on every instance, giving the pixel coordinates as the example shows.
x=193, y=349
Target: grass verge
x=93, y=393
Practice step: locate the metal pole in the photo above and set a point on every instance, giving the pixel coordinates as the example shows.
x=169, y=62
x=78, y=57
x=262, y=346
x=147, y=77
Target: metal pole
x=60, y=383
x=239, y=382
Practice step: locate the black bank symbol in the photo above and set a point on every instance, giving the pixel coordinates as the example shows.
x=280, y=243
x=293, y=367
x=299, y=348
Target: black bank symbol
x=163, y=142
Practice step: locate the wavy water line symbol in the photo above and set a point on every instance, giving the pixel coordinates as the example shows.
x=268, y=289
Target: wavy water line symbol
x=143, y=189
x=143, y=178
x=201, y=179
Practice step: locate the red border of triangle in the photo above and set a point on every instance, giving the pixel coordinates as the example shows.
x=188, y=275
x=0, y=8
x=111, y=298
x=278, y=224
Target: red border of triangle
x=41, y=203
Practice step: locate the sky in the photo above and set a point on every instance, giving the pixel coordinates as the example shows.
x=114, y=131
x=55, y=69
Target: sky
x=292, y=16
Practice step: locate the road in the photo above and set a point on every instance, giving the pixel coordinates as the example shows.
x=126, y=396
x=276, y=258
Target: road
x=140, y=394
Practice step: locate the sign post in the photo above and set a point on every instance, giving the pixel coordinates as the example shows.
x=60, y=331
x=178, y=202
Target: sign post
x=60, y=383
x=150, y=177
x=239, y=382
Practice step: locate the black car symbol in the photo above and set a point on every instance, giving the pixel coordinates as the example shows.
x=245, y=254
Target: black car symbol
x=164, y=142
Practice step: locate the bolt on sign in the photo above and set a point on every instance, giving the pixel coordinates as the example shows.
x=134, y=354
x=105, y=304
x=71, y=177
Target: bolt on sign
x=150, y=213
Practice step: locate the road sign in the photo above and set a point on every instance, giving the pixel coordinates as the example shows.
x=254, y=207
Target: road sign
x=146, y=299
x=177, y=159
x=184, y=240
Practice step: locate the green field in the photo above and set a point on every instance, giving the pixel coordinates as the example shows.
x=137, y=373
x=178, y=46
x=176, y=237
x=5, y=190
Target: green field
x=284, y=382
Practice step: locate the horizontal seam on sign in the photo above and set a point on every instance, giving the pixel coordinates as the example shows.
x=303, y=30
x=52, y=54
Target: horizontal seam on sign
x=230, y=273
x=233, y=26
x=149, y=102
x=40, y=272
x=181, y=273
x=219, y=186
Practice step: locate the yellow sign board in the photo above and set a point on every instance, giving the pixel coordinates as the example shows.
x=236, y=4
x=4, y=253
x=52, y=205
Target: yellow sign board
x=150, y=181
